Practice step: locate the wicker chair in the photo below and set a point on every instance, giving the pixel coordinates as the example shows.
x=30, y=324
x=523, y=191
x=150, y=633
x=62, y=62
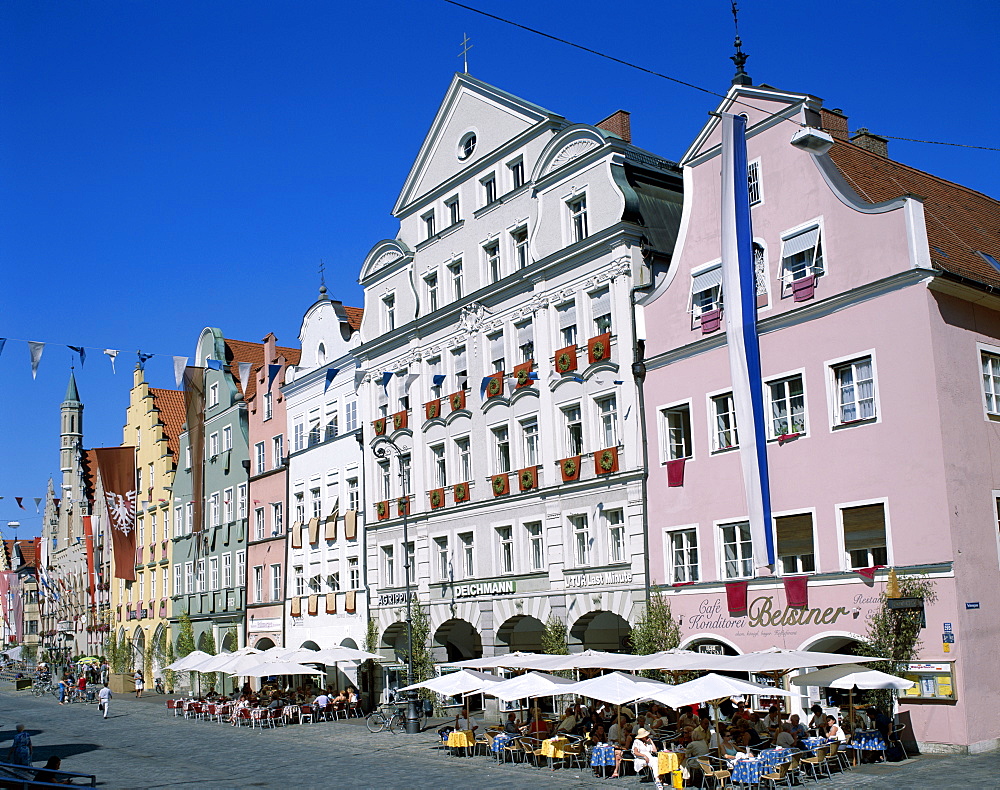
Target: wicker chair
x=814, y=764
x=779, y=775
x=719, y=775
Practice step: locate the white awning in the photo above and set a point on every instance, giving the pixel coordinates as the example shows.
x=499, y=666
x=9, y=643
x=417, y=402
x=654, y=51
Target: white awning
x=711, y=278
x=800, y=242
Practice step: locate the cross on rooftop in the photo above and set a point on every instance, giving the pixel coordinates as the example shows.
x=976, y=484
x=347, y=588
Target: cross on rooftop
x=464, y=54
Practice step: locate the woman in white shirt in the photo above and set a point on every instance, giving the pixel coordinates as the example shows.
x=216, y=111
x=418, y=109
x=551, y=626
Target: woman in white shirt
x=645, y=754
x=833, y=730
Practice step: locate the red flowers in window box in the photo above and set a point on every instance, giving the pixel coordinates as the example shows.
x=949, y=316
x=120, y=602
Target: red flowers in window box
x=599, y=348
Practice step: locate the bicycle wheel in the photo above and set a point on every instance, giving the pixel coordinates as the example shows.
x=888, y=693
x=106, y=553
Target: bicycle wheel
x=375, y=722
x=397, y=723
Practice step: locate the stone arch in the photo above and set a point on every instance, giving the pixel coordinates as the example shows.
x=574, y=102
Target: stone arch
x=139, y=648
x=842, y=642
x=264, y=643
x=393, y=643
x=712, y=643
x=459, y=639
x=521, y=632
x=160, y=639
x=230, y=644
x=601, y=630
x=309, y=645
x=349, y=643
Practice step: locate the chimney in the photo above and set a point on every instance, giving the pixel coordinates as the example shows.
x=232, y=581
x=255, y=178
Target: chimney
x=871, y=142
x=618, y=123
x=835, y=122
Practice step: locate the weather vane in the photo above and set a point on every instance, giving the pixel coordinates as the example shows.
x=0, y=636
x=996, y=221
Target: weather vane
x=740, y=58
x=464, y=54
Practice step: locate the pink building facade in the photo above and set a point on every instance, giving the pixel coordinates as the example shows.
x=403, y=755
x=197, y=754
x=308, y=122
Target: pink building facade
x=268, y=495
x=877, y=320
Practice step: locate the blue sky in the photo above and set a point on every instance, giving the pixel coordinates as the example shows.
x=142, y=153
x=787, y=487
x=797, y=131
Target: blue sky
x=159, y=160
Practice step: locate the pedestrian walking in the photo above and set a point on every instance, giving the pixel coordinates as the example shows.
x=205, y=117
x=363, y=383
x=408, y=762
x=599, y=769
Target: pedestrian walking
x=104, y=695
x=63, y=686
x=105, y=671
x=140, y=683
x=21, y=751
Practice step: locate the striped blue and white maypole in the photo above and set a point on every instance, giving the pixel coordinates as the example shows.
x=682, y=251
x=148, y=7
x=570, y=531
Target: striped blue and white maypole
x=739, y=288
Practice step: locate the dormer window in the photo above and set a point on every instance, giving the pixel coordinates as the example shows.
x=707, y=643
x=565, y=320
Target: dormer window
x=578, y=218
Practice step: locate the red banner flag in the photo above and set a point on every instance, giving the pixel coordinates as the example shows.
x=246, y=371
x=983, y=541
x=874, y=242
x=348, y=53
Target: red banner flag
x=88, y=537
x=117, y=470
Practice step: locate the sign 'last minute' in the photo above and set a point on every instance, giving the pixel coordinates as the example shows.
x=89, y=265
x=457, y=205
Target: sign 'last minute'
x=762, y=613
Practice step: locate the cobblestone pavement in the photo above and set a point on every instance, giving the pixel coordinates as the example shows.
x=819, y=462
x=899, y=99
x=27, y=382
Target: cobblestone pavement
x=143, y=746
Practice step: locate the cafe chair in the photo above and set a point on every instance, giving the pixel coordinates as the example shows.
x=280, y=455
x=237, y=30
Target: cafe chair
x=814, y=764
x=839, y=756
x=719, y=773
x=174, y=706
x=779, y=775
x=895, y=740
x=513, y=750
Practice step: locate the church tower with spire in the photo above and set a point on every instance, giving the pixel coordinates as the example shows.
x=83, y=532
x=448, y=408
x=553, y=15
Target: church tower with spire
x=70, y=459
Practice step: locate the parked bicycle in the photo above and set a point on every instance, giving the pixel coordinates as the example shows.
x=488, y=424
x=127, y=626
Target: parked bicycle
x=41, y=687
x=391, y=718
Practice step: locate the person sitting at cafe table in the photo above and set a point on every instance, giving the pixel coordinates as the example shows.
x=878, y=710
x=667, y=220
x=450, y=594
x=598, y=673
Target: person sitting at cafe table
x=798, y=729
x=537, y=726
x=817, y=723
x=620, y=736
x=784, y=738
x=773, y=719
x=512, y=726
x=464, y=722
x=686, y=719
x=721, y=741
x=698, y=747
x=568, y=723
x=322, y=700
x=834, y=731
x=645, y=755
x=703, y=731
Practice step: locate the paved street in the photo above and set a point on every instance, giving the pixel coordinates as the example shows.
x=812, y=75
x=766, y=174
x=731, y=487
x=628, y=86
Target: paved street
x=142, y=746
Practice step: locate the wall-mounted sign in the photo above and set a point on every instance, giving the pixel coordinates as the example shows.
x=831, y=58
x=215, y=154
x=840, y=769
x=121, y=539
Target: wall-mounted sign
x=391, y=599
x=932, y=681
x=598, y=579
x=972, y=604
x=482, y=588
x=948, y=639
x=947, y=628
x=265, y=624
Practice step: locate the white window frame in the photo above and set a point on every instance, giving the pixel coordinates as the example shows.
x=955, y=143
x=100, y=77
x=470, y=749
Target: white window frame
x=389, y=312
x=276, y=582
x=439, y=464
x=214, y=509
x=567, y=433
x=741, y=559
x=779, y=566
x=468, y=554
x=697, y=307
x=431, y=290
x=257, y=590
x=607, y=420
x=442, y=558
x=492, y=262
x=259, y=524
x=516, y=169
x=982, y=350
x=213, y=452
x=569, y=335
x=593, y=296
x=519, y=245
x=577, y=220
x=784, y=378
x=350, y=416
x=617, y=534
x=454, y=208
x=833, y=389
x=429, y=223
x=535, y=539
x=388, y=555
x=457, y=274
x=213, y=395
x=227, y=570
x=489, y=186
x=754, y=175
x=502, y=460
x=213, y=573
x=692, y=572
x=268, y=406
x=241, y=569
x=463, y=452
x=583, y=553
x=839, y=507
x=530, y=447
x=228, y=508
x=260, y=457
x=506, y=560
x=817, y=262
x=241, y=500
x=713, y=427
x=665, y=431
x=227, y=438
x=762, y=274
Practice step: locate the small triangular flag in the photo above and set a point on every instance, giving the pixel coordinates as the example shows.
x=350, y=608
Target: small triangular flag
x=38, y=501
x=438, y=379
x=179, y=364
x=331, y=374
x=386, y=378
x=272, y=372
x=142, y=359
x=409, y=381
x=81, y=351
x=35, y=349
x=111, y=355
x=244, y=374
x=3, y=342
x=20, y=504
x=359, y=376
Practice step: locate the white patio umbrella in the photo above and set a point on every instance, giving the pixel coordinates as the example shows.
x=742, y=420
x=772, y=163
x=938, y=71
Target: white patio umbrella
x=266, y=668
x=598, y=659
x=616, y=688
x=678, y=661
x=529, y=685
x=190, y=662
x=489, y=662
x=220, y=662
x=850, y=677
x=778, y=660
x=339, y=653
x=232, y=664
x=465, y=681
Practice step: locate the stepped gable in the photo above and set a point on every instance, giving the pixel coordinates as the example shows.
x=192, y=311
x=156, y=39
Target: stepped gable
x=171, y=406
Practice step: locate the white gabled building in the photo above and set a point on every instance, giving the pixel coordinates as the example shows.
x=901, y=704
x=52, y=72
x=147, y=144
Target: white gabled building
x=521, y=239
x=326, y=602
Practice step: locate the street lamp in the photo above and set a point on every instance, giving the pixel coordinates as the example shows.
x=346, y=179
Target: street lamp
x=412, y=716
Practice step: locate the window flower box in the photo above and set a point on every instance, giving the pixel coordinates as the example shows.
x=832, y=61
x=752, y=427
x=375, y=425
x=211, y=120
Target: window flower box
x=522, y=374
x=436, y=498
x=457, y=400
x=432, y=409
x=461, y=492
x=527, y=479
x=382, y=510
x=494, y=385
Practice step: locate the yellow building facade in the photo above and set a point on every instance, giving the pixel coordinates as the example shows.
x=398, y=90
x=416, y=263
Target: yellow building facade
x=139, y=609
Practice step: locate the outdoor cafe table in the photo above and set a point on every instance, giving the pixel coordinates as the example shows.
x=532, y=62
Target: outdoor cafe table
x=553, y=748
x=869, y=741
x=747, y=770
x=461, y=739
x=500, y=740
x=813, y=743
x=668, y=761
x=602, y=755
x=772, y=758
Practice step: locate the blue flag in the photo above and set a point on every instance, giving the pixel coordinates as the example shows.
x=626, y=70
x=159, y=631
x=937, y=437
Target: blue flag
x=331, y=374
x=386, y=378
x=272, y=371
x=213, y=364
x=739, y=288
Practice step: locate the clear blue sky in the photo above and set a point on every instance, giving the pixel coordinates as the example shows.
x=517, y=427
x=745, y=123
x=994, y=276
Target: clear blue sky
x=159, y=160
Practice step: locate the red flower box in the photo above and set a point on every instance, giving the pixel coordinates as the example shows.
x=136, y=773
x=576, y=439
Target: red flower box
x=379, y=426
x=399, y=420
x=599, y=348
x=382, y=510
x=457, y=400
x=461, y=492
x=403, y=506
x=522, y=373
x=494, y=387
x=527, y=479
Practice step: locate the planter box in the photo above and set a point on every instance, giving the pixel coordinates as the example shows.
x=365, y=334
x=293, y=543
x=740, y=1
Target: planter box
x=121, y=683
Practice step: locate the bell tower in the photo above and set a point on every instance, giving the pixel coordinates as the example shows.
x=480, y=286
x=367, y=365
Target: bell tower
x=70, y=450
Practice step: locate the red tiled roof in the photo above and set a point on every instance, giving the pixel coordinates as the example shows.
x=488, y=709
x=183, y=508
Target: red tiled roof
x=354, y=315
x=960, y=221
x=242, y=351
x=172, y=416
x=27, y=551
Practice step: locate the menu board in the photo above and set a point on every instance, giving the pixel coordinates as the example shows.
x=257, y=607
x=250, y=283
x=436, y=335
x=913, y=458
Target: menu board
x=932, y=681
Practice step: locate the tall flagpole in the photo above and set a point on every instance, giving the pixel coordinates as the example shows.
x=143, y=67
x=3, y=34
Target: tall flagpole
x=739, y=288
